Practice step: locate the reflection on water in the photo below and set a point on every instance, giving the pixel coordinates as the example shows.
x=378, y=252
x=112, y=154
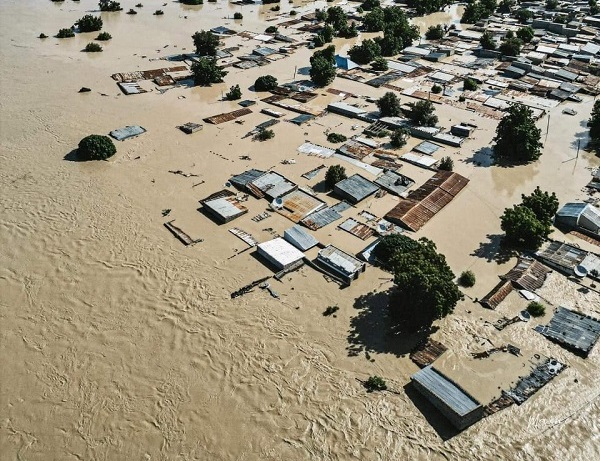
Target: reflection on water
x=449, y=15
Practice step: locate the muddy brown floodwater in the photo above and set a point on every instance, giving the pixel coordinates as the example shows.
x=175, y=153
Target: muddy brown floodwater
x=117, y=343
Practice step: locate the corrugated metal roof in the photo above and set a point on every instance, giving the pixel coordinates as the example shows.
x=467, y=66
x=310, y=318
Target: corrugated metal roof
x=356, y=188
x=344, y=108
x=298, y=204
x=300, y=238
x=562, y=254
x=444, y=389
x=314, y=149
x=528, y=274
x=344, y=262
x=281, y=251
x=273, y=184
x=393, y=182
x=241, y=180
x=355, y=150
x=360, y=230
x=571, y=210
x=321, y=218
x=498, y=294
x=128, y=132
x=226, y=207
x=572, y=329
x=427, y=148
x=226, y=117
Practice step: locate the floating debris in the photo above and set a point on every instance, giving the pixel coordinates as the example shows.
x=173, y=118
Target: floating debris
x=248, y=288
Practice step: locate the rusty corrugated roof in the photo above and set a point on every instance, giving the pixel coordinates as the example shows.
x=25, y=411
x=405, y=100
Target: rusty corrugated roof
x=498, y=294
x=221, y=118
x=528, y=274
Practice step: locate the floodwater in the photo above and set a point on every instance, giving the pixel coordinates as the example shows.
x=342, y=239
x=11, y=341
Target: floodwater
x=118, y=343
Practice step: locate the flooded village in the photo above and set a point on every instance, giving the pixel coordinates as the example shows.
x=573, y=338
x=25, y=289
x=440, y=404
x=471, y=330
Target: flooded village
x=314, y=234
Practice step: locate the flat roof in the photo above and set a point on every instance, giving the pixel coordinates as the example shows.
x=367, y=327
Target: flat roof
x=447, y=391
x=227, y=207
x=281, y=251
x=344, y=262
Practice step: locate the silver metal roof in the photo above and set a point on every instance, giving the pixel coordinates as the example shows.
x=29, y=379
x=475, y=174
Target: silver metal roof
x=573, y=329
x=393, y=182
x=240, y=180
x=300, y=238
x=344, y=262
x=273, y=184
x=445, y=390
x=357, y=187
x=225, y=207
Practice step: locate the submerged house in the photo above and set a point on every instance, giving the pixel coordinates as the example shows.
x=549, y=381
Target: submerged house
x=579, y=216
x=355, y=188
x=573, y=330
x=342, y=264
x=280, y=254
x=453, y=402
x=223, y=206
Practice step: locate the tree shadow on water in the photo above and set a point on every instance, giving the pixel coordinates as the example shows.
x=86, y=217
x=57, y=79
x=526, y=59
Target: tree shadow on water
x=373, y=329
x=483, y=157
x=493, y=250
x=73, y=157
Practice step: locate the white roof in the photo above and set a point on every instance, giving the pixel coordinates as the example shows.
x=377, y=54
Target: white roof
x=281, y=251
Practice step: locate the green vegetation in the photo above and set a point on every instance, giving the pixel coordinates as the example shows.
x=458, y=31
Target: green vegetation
x=92, y=48
x=477, y=10
x=424, y=7
x=192, y=2
x=424, y=283
x=398, y=32
x=265, y=83
x=435, y=32
x=271, y=30
x=523, y=15
x=108, y=5
x=334, y=174
x=238, y=15
x=331, y=310
x=206, y=71
x=594, y=124
x=103, y=36
x=234, y=93
x=389, y=105
x=527, y=225
x=375, y=383
x=368, y=5
x=274, y=8
x=467, y=279
x=293, y=13
x=366, y=52
x=551, y=4
x=423, y=113
x=322, y=71
x=89, y=23
x=158, y=13
x=264, y=135
x=42, y=35
x=446, y=164
x=374, y=21
x=487, y=41
x=206, y=43
x=517, y=137
x=96, y=147
x=526, y=34
x=337, y=18
x=65, y=33
x=469, y=84
x=437, y=89
x=536, y=309
x=511, y=46
x=399, y=137
x=379, y=64
x=320, y=15
x=336, y=138
x=594, y=8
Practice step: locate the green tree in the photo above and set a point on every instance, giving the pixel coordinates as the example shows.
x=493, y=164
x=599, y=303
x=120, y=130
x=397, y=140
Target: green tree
x=366, y=52
x=536, y=309
x=369, y=5
x=375, y=383
x=237, y=15
x=265, y=83
x=348, y=31
x=103, y=36
x=374, y=21
x=234, y=93
x=92, y=48
x=399, y=137
x=320, y=15
x=505, y=6
x=551, y=4
x=517, y=137
x=65, y=33
x=469, y=84
x=336, y=138
x=526, y=34
x=437, y=89
x=522, y=228
x=467, y=279
x=594, y=124
x=487, y=41
x=511, y=46
x=89, y=23
x=334, y=174
x=523, y=15
x=379, y=64
x=206, y=71
x=206, y=43
x=108, y=5
x=543, y=204
x=424, y=7
x=327, y=34
x=594, y=9
x=264, y=135
x=322, y=71
x=435, y=33
x=389, y=44
x=424, y=284
x=96, y=147
x=337, y=17
x=423, y=113
x=446, y=164
x=473, y=13
x=398, y=25
x=389, y=245
x=327, y=53
x=271, y=30
x=389, y=105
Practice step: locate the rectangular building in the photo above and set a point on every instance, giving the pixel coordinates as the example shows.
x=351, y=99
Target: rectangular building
x=345, y=266
x=279, y=253
x=355, y=188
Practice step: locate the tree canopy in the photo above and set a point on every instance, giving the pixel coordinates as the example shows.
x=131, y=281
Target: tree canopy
x=399, y=137
x=424, y=7
x=206, y=43
x=477, y=10
x=435, y=32
x=374, y=21
x=322, y=71
x=423, y=113
x=265, y=83
x=389, y=105
x=380, y=64
x=206, y=71
x=424, y=283
x=526, y=34
x=517, y=137
x=235, y=93
x=487, y=41
x=96, y=147
x=89, y=23
x=337, y=17
x=594, y=124
x=366, y=52
x=511, y=46
x=334, y=174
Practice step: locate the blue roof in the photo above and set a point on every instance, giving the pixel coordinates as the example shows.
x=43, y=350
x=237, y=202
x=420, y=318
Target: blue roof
x=344, y=63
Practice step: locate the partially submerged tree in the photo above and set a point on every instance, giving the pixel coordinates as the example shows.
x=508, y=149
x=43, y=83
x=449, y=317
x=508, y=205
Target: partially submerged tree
x=526, y=34
x=469, y=84
x=234, y=93
x=206, y=43
x=517, y=136
x=65, y=33
x=265, y=83
x=271, y=30
x=264, y=135
x=89, y=23
x=103, y=36
x=423, y=113
x=511, y=46
x=389, y=105
x=437, y=89
x=435, y=32
x=192, y=2
x=594, y=124
x=467, y=279
x=237, y=15
x=487, y=41
x=334, y=174
x=206, y=72
x=92, y=48
x=523, y=15
x=379, y=64
x=366, y=52
x=96, y=147
x=375, y=383
x=322, y=71
x=337, y=17
x=399, y=138
x=374, y=21
x=446, y=164
x=543, y=204
x=536, y=309
x=336, y=138
x=109, y=5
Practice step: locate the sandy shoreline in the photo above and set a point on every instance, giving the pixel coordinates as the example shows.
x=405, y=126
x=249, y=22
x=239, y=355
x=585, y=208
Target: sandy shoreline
x=119, y=343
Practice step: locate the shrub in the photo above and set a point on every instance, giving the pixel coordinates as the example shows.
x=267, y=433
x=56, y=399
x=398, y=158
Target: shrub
x=293, y=13
x=192, y=2
x=265, y=83
x=103, y=36
x=536, y=309
x=380, y=64
x=65, y=33
x=131, y=11
x=330, y=310
x=462, y=98
x=271, y=30
x=469, y=84
x=275, y=8
x=399, y=137
x=264, y=135
x=446, y=164
x=108, y=5
x=89, y=23
x=42, y=35
x=467, y=279
x=139, y=5
x=96, y=147
x=335, y=174
x=435, y=33
x=436, y=89
x=234, y=93
x=238, y=15
x=158, y=13
x=266, y=2
x=92, y=48
x=336, y=138
x=375, y=383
